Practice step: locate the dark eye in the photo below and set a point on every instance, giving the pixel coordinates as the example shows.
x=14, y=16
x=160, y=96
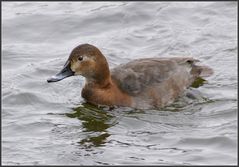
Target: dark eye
x=80, y=58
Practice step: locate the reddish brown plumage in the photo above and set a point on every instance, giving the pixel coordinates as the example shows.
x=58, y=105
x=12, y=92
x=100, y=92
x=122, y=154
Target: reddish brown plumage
x=143, y=83
x=108, y=94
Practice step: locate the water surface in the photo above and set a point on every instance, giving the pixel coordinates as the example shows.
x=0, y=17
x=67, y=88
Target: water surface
x=47, y=124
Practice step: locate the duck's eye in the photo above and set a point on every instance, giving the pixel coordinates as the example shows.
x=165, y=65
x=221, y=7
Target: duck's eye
x=80, y=58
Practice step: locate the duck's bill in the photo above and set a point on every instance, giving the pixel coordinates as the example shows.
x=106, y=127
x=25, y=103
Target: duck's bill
x=64, y=73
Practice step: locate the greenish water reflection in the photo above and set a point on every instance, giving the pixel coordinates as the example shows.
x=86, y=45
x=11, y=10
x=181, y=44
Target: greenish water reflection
x=94, y=119
x=198, y=82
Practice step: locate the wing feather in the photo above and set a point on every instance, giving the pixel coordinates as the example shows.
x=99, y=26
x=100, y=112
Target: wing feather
x=136, y=75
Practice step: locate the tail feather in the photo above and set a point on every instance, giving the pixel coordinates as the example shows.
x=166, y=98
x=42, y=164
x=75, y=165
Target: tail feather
x=197, y=69
x=204, y=71
x=200, y=72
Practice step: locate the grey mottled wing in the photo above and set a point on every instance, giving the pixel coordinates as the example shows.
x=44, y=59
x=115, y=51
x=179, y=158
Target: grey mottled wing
x=136, y=75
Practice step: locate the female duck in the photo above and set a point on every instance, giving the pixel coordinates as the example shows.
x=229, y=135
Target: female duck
x=143, y=83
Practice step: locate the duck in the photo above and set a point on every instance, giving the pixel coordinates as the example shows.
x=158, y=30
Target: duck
x=145, y=83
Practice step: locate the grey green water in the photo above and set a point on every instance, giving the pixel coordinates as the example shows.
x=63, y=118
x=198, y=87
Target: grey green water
x=49, y=124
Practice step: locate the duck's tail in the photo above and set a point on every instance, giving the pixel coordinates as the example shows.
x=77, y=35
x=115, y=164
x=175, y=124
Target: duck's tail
x=197, y=70
x=203, y=71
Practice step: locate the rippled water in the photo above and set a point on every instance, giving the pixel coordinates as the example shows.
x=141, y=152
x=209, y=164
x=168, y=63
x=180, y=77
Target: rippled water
x=46, y=123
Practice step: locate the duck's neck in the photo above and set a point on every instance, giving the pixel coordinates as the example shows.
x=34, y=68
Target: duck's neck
x=101, y=84
x=92, y=87
x=101, y=78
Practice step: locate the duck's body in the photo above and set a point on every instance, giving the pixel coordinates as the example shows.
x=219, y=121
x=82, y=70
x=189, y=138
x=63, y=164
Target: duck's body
x=143, y=83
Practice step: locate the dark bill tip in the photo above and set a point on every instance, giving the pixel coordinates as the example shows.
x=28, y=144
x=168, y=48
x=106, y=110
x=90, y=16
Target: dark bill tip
x=64, y=73
x=55, y=78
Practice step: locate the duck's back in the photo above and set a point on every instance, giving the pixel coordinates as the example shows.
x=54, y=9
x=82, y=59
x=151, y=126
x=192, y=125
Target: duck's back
x=155, y=82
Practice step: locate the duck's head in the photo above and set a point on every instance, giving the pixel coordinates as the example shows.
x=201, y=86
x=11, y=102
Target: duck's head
x=85, y=60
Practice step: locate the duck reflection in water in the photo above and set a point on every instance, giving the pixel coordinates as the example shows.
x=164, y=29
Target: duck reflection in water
x=96, y=120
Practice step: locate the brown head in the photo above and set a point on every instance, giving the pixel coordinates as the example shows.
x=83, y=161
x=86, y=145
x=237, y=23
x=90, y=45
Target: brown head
x=85, y=60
